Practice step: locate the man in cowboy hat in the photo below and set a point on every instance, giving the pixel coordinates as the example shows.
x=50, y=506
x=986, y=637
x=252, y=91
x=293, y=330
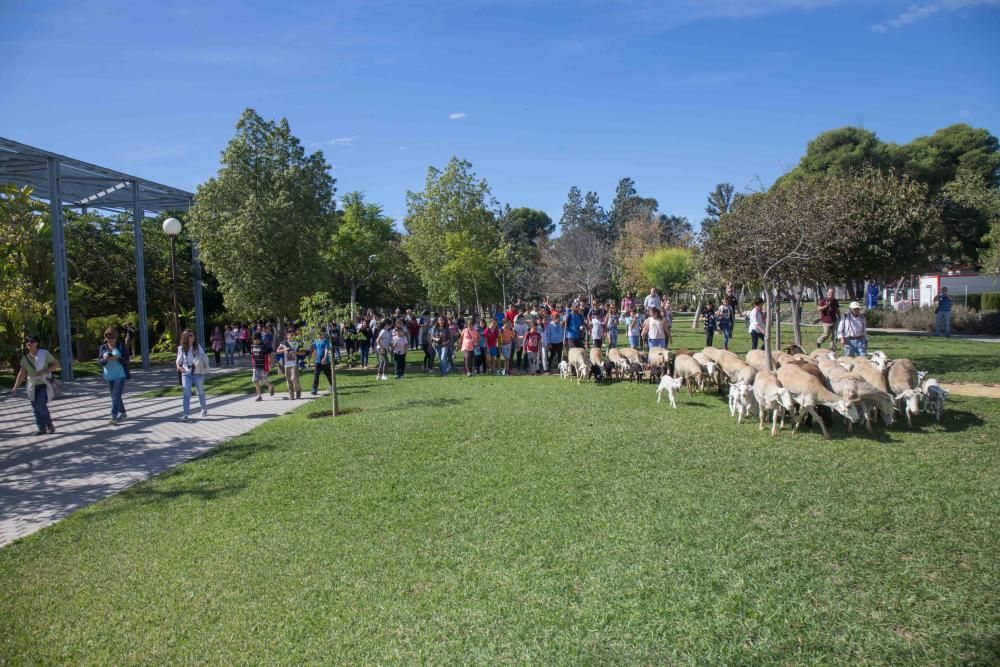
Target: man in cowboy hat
x=853, y=332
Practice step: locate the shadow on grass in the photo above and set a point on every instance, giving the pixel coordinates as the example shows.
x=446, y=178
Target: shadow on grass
x=426, y=403
x=320, y=414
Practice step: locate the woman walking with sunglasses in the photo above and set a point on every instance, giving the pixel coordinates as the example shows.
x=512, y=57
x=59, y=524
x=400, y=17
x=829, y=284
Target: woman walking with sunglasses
x=113, y=358
x=37, y=366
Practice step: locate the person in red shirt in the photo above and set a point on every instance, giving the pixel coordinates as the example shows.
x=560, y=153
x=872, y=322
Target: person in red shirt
x=511, y=313
x=492, y=336
x=829, y=313
x=532, y=344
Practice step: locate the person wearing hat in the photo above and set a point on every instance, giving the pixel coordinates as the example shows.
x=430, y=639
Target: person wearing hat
x=37, y=366
x=853, y=331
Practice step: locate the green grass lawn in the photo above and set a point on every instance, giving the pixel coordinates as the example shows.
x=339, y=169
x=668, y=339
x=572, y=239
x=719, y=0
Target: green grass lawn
x=515, y=520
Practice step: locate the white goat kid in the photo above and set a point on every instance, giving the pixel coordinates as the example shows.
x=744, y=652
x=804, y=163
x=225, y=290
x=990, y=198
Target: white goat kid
x=670, y=385
x=564, y=371
x=742, y=402
x=934, y=397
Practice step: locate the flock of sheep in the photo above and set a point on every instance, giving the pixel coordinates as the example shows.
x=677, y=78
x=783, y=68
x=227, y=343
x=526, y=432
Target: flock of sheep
x=817, y=385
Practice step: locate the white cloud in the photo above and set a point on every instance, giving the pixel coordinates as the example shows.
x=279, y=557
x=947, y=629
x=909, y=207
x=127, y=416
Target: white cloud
x=342, y=141
x=456, y=116
x=915, y=13
x=402, y=148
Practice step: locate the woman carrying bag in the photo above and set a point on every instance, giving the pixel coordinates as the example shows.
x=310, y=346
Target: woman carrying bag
x=113, y=358
x=37, y=366
x=192, y=364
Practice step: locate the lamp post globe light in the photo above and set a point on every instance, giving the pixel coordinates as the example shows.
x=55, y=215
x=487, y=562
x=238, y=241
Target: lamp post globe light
x=172, y=227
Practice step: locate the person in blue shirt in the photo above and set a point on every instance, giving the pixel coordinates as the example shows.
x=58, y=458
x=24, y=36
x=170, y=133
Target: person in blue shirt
x=574, y=327
x=321, y=358
x=554, y=341
x=113, y=359
x=872, y=301
x=942, y=313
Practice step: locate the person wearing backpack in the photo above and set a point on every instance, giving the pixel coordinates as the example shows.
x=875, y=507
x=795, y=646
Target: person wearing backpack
x=37, y=366
x=113, y=358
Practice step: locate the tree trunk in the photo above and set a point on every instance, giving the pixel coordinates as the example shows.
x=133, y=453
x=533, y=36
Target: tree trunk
x=333, y=383
x=777, y=316
x=697, y=310
x=768, y=302
x=354, y=294
x=796, y=302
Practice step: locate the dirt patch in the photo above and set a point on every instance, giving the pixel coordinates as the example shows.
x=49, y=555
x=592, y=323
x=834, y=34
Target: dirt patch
x=972, y=389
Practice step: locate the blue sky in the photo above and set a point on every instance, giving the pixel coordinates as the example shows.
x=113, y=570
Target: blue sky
x=539, y=96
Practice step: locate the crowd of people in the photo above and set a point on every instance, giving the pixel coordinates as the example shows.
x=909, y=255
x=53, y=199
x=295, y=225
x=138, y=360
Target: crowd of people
x=526, y=338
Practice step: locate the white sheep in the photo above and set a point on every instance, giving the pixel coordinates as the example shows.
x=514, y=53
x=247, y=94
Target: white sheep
x=808, y=392
x=772, y=397
x=669, y=385
x=742, y=402
x=564, y=371
x=934, y=397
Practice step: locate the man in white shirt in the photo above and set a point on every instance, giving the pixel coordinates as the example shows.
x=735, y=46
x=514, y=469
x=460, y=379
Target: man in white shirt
x=853, y=331
x=652, y=300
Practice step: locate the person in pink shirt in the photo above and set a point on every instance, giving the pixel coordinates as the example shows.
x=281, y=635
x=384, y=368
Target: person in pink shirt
x=492, y=336
x=470, y=339
x=532, y=344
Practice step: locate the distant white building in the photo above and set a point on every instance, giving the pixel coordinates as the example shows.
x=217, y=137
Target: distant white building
x=959, y=281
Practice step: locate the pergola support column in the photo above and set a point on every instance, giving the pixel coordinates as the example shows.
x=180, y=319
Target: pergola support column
x=199, y=308
x=63, y=327
x=140, y=275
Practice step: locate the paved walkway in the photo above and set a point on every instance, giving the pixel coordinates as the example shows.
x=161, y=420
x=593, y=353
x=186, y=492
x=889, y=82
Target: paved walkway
x=44, y=478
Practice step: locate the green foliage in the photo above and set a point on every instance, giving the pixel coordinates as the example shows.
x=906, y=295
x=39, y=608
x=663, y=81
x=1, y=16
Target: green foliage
x=937, y=161
x=979, y=200
x=96, y=326
x=722, y=200
x=990, y=302
x=359, y=248
x=25, y=296
x=670, y=269
x=264, y=220
x=452, y=233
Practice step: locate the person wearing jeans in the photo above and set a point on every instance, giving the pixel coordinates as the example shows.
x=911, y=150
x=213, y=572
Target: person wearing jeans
x=853, y=332
x=400, y=344
x=113, y=359
x=942, y=313
x=229, y=339
x=321, y=359
x=36, y=368
x=190, y=362
x=440, y=340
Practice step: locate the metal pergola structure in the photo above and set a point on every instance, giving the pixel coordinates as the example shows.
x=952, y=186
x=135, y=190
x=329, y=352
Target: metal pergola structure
x=67, y=182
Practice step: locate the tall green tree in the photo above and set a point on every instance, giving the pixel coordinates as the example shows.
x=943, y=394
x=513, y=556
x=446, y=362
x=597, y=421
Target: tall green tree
x=593, y=217
x=264, y=220
x=359, y=247
x=623, y=207
x=572, y=213
x=452, y=233
x=721, y=200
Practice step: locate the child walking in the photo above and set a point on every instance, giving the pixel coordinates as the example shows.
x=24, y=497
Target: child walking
x=261, y=357
x=400, y=344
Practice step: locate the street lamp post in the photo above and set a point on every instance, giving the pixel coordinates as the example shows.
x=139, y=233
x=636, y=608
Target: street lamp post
x=172, y=227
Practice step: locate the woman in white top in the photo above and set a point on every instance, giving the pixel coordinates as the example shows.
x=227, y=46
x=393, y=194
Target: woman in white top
x=755, y=322
x=383, y=343
x=192, y=364
x=654, y=330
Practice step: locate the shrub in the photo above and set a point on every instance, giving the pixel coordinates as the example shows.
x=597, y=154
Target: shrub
x=989, y=301
x=989, y=323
